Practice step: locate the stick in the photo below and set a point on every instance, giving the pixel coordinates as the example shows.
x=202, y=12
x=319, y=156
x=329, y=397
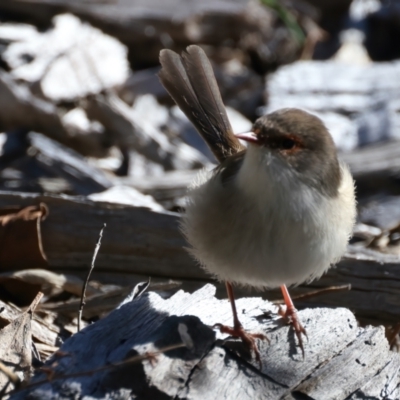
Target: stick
x=317, y=293
x=83, y=296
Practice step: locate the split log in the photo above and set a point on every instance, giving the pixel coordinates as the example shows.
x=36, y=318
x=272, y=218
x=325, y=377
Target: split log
x=342, y=361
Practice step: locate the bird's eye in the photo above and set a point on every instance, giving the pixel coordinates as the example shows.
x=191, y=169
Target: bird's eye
x=288, y=144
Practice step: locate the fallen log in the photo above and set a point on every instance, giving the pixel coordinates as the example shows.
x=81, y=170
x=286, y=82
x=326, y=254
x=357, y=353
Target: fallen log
x=137, y=240
x=139, y=243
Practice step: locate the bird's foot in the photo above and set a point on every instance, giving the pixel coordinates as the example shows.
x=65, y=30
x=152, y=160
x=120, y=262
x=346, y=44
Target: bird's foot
x=290, y=315
x=249, y=339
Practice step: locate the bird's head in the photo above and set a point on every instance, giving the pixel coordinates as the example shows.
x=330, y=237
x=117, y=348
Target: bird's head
x=294, y=138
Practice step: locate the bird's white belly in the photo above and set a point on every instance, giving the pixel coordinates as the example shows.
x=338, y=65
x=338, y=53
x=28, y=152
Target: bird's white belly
x=265, y=243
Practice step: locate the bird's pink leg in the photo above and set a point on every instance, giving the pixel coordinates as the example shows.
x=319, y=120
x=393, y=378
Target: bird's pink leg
x=237, y=330
x=291, y=315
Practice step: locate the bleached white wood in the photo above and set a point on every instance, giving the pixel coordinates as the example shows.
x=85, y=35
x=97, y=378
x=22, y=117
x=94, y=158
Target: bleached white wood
x=340, y=358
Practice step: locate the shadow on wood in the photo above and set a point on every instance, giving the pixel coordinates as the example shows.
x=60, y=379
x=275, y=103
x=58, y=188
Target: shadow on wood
x=342, y=361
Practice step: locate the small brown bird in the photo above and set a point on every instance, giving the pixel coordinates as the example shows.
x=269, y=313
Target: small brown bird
x=275, y=214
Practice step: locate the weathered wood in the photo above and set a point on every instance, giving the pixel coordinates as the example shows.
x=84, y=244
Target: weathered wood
x=56, y=161
x=50, y=167
x=129, y=129
x=101, y=304
x=382, y=211
x=67, y=67
x=215, y=366
x=357, y=102
x=147, y=26
x=164, y=188
x=137, y=240
x=380, y=159
x=375, y=167
x=384, y=384
x=17, y=100
x=140, y=243
x=351, y=368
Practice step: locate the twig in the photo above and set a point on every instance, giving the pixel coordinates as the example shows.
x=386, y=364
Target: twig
x=318, y=292
x=83, y=296
x=130, y=360
x=35, y=302
x=10, y=375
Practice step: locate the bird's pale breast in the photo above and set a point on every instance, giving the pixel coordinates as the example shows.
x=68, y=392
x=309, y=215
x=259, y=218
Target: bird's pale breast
x=266, y=231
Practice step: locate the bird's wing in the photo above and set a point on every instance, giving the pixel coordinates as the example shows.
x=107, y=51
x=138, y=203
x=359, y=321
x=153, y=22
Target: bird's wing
x=191, y=83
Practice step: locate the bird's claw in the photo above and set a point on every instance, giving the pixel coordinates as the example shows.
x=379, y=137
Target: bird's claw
x=249, y=339
x=290, y=315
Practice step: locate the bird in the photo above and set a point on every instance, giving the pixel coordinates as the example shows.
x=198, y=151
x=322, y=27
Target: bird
x=277, y=212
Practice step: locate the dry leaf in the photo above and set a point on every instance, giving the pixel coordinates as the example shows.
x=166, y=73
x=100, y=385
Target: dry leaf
x=16, y=344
